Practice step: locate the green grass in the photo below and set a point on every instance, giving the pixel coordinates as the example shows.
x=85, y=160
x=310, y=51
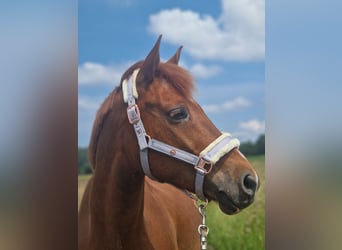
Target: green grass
x=82, y=183
x=243, y=231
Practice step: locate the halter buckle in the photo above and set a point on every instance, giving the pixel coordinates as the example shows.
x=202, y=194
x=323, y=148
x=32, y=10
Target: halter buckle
x=204, y=166
x=133, y=114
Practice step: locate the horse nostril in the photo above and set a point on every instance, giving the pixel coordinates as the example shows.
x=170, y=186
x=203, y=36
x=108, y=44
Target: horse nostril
x=249, y=184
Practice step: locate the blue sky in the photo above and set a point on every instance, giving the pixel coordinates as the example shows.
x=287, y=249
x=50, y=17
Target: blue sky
x=223, y=49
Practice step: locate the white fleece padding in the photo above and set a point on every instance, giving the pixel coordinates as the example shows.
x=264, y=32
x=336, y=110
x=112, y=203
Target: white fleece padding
x=125, y=90
x=211, y=145
x=134, y=78
x=134, y=86
x=233, y=143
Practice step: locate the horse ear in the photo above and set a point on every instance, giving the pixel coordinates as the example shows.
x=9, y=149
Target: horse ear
x=150, y=64
x=175, y=58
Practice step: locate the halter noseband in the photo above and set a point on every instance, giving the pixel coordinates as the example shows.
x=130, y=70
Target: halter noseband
x=202, y=163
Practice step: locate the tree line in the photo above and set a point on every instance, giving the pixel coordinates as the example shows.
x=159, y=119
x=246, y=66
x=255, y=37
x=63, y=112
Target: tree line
x=254, y=148
x=247, y=148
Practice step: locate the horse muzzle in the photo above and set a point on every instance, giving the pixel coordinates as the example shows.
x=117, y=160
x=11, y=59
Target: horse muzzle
x=233, y=197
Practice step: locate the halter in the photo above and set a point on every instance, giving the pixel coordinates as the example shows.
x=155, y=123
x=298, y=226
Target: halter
x=202, y=163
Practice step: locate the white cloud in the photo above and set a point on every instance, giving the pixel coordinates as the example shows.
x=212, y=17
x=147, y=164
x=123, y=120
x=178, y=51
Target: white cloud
x=90, y=73
x=89, y=104
x=254, y=126
x=96, y=73
x=202, y=71
x=230, y=105
x=238, y=34
x=238, y=102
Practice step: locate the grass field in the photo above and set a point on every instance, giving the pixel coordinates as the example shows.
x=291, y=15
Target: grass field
x=244, y=231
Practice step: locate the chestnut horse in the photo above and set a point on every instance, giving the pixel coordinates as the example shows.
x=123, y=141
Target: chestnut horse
x=122, y=207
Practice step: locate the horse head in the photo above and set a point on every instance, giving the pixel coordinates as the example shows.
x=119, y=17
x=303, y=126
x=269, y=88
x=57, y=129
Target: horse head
x=163, y=108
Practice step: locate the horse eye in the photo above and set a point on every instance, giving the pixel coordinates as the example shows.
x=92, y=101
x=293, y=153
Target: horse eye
x=178, y=114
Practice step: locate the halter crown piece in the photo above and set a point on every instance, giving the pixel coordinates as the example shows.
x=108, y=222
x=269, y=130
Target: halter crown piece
x=202, y=163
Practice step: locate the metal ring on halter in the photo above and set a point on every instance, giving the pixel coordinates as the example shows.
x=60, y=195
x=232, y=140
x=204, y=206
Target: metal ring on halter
x=201, y=166
x=198, y=202
x=148, y=138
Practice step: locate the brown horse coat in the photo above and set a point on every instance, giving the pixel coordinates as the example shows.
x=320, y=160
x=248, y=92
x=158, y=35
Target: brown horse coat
x=171, y=223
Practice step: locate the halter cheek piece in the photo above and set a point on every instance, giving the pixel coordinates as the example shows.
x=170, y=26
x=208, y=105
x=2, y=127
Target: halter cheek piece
x=202, y=163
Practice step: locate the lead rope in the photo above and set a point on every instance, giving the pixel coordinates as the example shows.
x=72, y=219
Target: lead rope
x=203, y=229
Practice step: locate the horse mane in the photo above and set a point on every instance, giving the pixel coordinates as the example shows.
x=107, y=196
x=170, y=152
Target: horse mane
x=101, y=116
x=176, y=76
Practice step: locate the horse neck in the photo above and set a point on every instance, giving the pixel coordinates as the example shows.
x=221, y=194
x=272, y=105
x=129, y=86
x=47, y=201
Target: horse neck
x=125, y=196
x=118, y=188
